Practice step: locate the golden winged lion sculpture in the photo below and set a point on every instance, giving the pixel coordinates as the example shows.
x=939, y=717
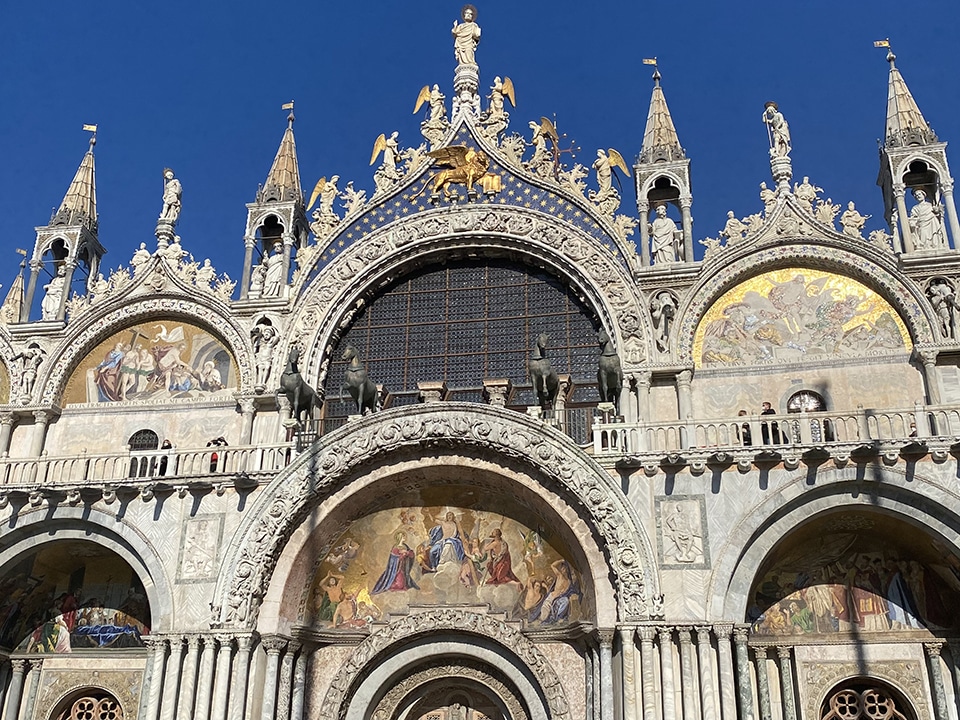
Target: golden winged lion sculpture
x=464, y=166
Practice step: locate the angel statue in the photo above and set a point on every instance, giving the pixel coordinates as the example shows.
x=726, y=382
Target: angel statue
x=496, y=118
x=543, y=159
x=466, y=36
x=606, y=197
x=324, y=217
x=436, y=123
x=387, y=173
x=463, y=166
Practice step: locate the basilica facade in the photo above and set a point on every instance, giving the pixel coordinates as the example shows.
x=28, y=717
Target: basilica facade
x=491, y=442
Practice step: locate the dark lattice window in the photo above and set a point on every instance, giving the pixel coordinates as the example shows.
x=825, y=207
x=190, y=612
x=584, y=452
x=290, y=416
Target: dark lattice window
x=144, y=440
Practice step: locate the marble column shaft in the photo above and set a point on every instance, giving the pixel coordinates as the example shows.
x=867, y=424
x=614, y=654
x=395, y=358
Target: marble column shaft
x=156, y=678
x=936, y=680
x=628, y=653
x=686, y=223
x=4, y=679
x=241, y=672
x=588, y=660
x=221, y=686
x=41, y=420
x=188, y=683
x=248, y=243
x=606, y=675
x=951, y=206
x=171, y=683
x=595, y=667
x=7, y=421
x=647, y=670
x=31, y=291
x=644, y=213
x=667, y=685
x=744, y=685
x=272, y=645
x=16, y=689
x=687, y=681
x=708, y=708
x=906, y=234
x=286, y=681
x=299, y=686
x=32, y=686
x=763, y=682
x=786, y=684
x=728, y=682
x=201, y=708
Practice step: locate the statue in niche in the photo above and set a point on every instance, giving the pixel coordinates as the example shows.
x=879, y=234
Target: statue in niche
x=778, y=130
x=388, y=173
x=466, y=36
x=925, y=222
x=944, y=301
x=663, y=236
x=768, y=197
x=30, y=360
x=684, y=533
x=806, y=192
x=273, y=279
x=50, y=304
x=140, y=259
x=852, y=222
x=733, y=229
x=265, y=338
x=609, y=373
x=545, y=381
x=663, y=310
x=172, y=192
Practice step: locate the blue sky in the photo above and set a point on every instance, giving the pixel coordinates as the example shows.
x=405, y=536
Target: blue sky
x=198, y=87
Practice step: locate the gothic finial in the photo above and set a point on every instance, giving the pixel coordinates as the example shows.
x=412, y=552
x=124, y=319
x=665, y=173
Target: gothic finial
x=290, y=117
x=905, y=123
x=283, y=180
x=79, y=205
x=660, y=141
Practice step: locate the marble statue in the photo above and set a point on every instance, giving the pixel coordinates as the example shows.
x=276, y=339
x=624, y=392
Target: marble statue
x=925, y=223
x=466, y=36
x=852, y=222
x=944, y=301
x=663, y=310
x=388, y=173
x=497, y=118
x=205, y=275
x=806, y=192
x=50, y=304
x=733, y=229
x=325, y=217
x=542, y=160
x=353, y=200
x=173, y=252
x=172, y=192
x=30, y=360
x=663, y=235
x=753, y=223
x=606, y=196
x=258, y=277
x=265, y=338
x=712, y=245
x=434, y=127
x=100, y=286
x=768, y=197
x=273, y=281
x=778, y=129
x=140, y=258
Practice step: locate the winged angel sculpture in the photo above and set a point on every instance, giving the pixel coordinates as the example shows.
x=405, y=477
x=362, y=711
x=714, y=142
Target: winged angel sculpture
x=463, y=166
x=606, y=197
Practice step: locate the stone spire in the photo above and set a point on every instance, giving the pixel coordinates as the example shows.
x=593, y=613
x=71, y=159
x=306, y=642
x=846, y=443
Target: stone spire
x=660, y=141
x=905, y=123
x=283, y=180
x=79, y=206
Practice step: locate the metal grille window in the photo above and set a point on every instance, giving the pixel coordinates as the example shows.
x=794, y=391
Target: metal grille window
x=863, y=700
x=144, y=440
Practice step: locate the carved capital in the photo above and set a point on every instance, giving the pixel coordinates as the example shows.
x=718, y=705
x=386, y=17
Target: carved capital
x=703, y=634
x=684, y=634
x=36, y=664
x=723, y=630
x=946, y=186
x=248, y=405
x=644, y=206
x=176, y=644
x=19, y=665
x=686, y=201
x=899, y=190
x=605, y=637
x=666, y=634
x=273, y=644
x=933, y=649
x=646, y=633
x=7, y=418
x=244, y=642
x=783, y=652
x=193, y=643
x=155, y=643
x=684, y=378
x=225, y=641
x=42, y=417
x=928, y=357
x=761, y=652
x=740, y=635
x=497, y=391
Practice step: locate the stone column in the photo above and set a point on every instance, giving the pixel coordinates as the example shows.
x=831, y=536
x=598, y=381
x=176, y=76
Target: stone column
x=686, y=222
x=7, y=421
x=905, y=232
x=299, y=685
x=4, y=679
x=932, y=377
x=41, y=419
x=283, y=416
x=248, y=243
x=286, y=680
x=35, y=267
x=188, y=685
x=69, y=266
x=595, y=670
x=201, y=708
x=744, y=686
x=222, y=683
x=272, y=644
x=241, y=671
x=946, y=187
x=685, y=404
x=33, y=685
x=287, y=252
x=588, y=681
x=248, y=409
x=786, y=684
x=647, y=672
x=643, y=208
x=687, y=682
x=763, y=682
x=171, y=684
x=156, y=675
x=16, y=689
x=606, y=674
x=728, y=685
x=708, y=708
x=667, y=686
x=644, y=381
x=936, y=679
x=628, y=654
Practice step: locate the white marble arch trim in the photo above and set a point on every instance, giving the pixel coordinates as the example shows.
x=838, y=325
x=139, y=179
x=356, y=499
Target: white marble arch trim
x=904, y=295
x=328, y=303
x=61, y=362
x=759, y=528
x=445, y=632
x=38, y=527
x=277, y=512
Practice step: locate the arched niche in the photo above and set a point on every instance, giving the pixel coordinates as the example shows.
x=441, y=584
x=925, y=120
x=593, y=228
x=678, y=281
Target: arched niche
x=154, y=360
x=855, y=573
x=71, y=595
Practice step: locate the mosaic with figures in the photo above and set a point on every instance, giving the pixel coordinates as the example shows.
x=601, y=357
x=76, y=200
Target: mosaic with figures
x=444, y=555
x=797, y=313
x=69, y=596
x=155, y=360
x=856, y=574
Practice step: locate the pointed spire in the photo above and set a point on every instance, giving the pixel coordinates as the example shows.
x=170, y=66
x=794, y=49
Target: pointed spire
x=283, y=180
x=79, y=206
x=660, y=141
x=905, y=123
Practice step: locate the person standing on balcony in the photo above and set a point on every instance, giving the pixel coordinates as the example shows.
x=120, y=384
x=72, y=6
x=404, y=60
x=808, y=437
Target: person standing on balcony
x=770, y=430
x=743, y=432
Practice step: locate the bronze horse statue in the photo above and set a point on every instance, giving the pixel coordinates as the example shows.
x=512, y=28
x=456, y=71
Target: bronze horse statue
x=303, y=398
x=361, y=388
x=609, y=373
x=543, y=377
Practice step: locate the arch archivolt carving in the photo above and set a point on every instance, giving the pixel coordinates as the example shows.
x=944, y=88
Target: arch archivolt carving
x=330, y=300
x=934, y=160
x=673, y=177
x=443, y=620
x=74, y=347
x=282, y=507
x=749, y=540
x=906, y=298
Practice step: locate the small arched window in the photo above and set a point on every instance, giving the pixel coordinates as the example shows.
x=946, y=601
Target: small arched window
x=93, y=704
x=806, y=401
x=144, y=440
x=864, y=699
